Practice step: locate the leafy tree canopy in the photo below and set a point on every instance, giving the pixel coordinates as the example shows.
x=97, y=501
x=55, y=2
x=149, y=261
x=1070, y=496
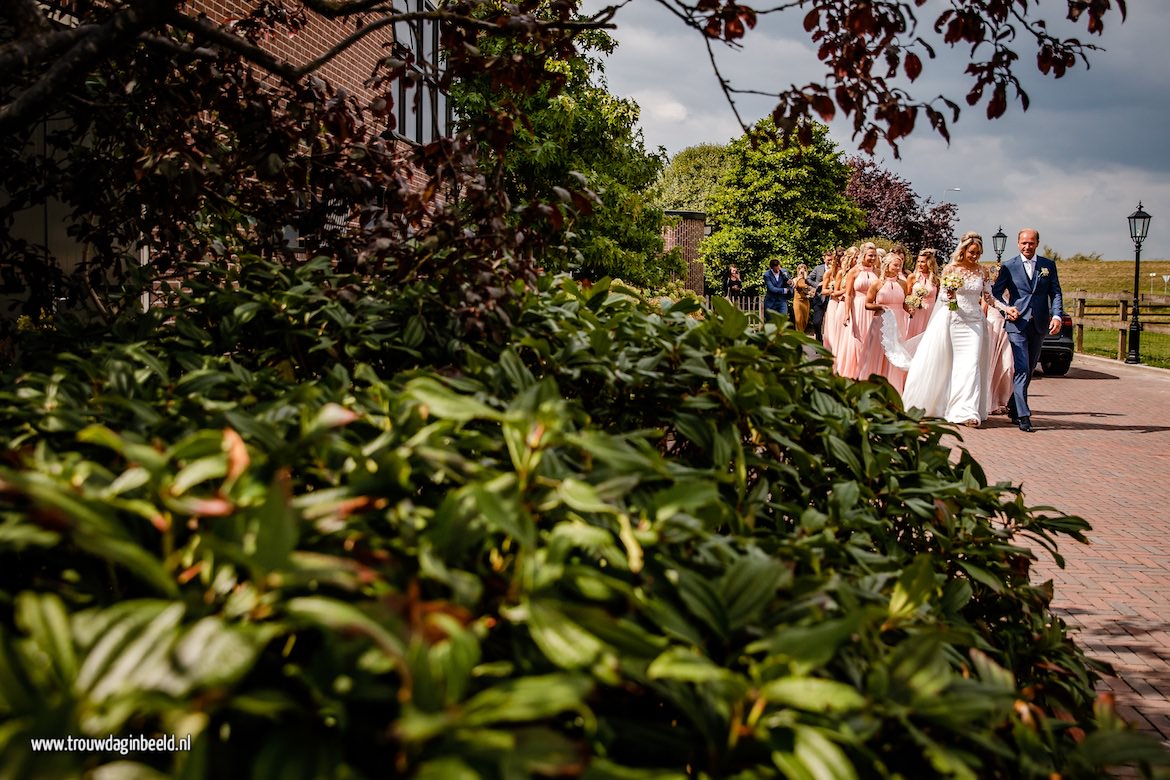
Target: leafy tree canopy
x=778, y=200
x=895, y=212
x=692, y=177
x=575, y=131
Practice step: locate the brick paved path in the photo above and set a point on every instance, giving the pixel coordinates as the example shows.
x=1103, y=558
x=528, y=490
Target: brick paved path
x=1101, y=450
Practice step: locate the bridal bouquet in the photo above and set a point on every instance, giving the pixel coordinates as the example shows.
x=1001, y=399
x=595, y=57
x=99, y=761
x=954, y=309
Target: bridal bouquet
x=916, y=299
x=950, y=283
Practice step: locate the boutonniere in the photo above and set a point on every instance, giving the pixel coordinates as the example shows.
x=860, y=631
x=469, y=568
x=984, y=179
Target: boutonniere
x=1044, y=272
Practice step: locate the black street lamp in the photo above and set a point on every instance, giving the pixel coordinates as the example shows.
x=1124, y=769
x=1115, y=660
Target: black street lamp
x=1139, y=228
x=999, y=243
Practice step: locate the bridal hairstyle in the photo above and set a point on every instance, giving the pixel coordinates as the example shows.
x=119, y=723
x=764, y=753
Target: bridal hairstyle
x=897, y=250
x=933, y=255
x=969, y=238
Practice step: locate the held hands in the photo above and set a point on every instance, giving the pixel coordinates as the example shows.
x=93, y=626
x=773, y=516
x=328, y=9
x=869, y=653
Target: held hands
x=1012, y=313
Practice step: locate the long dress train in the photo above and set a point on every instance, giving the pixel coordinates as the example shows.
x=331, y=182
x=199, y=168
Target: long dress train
x=892, y=295
x=948, y=366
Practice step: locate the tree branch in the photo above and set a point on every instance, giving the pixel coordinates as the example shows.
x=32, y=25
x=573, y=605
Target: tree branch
x=232, y=42
x=96, y=42
x=27, y=16
x=18, y=54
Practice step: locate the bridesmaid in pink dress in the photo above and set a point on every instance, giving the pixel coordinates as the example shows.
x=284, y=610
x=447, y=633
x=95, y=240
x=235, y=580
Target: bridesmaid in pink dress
x=923, y=279
x=837, y=324
x=828, y=285
x=857, y=319
x=1002, y=363
x=889, y=292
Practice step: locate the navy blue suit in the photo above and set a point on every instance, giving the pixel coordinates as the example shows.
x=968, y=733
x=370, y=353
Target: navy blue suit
x=779, y=290
x=1038, y=300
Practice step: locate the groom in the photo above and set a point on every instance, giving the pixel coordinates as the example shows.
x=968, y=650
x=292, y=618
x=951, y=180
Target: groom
x=1033, y=308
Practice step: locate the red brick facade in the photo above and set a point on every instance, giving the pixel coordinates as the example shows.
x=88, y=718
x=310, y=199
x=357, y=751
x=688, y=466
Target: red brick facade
x=350, y=70
x=685, y=230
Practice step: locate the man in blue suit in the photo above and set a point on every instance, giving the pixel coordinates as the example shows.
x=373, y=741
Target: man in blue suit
x=1033, y=308
x=778, y=288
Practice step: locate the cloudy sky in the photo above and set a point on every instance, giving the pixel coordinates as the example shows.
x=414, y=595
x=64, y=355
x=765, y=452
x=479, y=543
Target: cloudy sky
x=1075, y=165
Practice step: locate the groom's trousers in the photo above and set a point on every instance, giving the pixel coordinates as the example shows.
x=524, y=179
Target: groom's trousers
x=1026, y=346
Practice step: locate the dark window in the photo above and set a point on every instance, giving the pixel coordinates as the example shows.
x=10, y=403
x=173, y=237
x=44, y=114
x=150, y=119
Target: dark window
x=423, y=111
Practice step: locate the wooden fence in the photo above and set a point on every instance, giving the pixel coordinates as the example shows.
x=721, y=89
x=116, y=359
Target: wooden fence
x=752, y=304
x=1111, y=311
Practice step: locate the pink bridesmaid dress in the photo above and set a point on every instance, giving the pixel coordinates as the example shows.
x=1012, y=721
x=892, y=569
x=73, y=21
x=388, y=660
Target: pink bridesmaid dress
x=855, y=334
x=892, y=295
x=918, y=321
x=1002, y=366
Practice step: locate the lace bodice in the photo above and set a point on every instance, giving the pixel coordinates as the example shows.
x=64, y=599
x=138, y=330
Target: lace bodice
x=969, y=294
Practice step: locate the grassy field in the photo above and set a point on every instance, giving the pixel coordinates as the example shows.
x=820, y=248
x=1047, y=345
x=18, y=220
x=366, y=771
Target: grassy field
x=1109, y=276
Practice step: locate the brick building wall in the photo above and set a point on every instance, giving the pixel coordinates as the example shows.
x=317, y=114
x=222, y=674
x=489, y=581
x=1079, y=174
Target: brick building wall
x=349, y=71
x=685, y=230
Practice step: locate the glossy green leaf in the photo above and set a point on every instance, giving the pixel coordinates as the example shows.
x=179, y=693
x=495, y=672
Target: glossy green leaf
x=813, y=695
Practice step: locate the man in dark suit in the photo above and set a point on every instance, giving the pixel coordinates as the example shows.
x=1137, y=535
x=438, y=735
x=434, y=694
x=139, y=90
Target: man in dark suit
x=818, y=304
x=1033, y=308
x=778, y=288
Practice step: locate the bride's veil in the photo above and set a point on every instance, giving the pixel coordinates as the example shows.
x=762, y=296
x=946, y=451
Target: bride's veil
x=926, y=357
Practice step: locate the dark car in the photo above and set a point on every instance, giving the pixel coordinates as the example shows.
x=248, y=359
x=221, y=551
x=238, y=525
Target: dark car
x=1056, y=353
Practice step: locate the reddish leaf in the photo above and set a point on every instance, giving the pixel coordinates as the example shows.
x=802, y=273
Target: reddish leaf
x=812, y=19
x=998, y=103
x=913, y=66
x=823, y=105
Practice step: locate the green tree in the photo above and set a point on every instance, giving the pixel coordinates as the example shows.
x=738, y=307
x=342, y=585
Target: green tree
x=778, y=201
x=576, y=133
x=692, y=177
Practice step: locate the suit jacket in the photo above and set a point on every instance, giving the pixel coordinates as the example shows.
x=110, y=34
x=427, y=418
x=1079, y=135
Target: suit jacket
x=779, y=289
x=816, y=278
x=1038, y=299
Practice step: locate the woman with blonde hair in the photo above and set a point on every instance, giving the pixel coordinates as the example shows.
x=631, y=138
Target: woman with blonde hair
x=835, y=312
x=922, y=291
x=948, y=372
x=887, y=294
x=856, y=320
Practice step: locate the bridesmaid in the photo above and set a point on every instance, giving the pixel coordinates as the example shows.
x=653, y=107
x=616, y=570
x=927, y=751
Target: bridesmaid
x=828, y=285
x=888, y=293
x=923, y=280
x=857, y=320
x=840, y=332
x=1002, y=368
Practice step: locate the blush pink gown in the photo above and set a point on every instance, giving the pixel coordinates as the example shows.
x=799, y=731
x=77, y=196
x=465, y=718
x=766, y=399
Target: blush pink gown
x=892, y=295
x=1002, y=365
x=856, y=333
x=922, y=316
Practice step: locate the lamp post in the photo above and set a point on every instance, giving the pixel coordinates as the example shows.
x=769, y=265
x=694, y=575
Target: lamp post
x=1139, y=228
x=999, y=243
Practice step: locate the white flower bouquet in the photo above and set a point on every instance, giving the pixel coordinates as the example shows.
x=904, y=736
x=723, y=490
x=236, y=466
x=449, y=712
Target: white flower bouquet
x=950, y=283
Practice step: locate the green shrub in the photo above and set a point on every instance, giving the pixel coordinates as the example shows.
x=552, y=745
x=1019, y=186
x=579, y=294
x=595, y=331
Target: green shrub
x=327, y=536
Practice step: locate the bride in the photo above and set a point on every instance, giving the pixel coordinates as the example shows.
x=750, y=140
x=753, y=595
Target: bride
x=948, y=365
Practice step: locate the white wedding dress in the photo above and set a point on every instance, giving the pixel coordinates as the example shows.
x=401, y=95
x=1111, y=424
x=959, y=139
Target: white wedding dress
x=948, y=364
